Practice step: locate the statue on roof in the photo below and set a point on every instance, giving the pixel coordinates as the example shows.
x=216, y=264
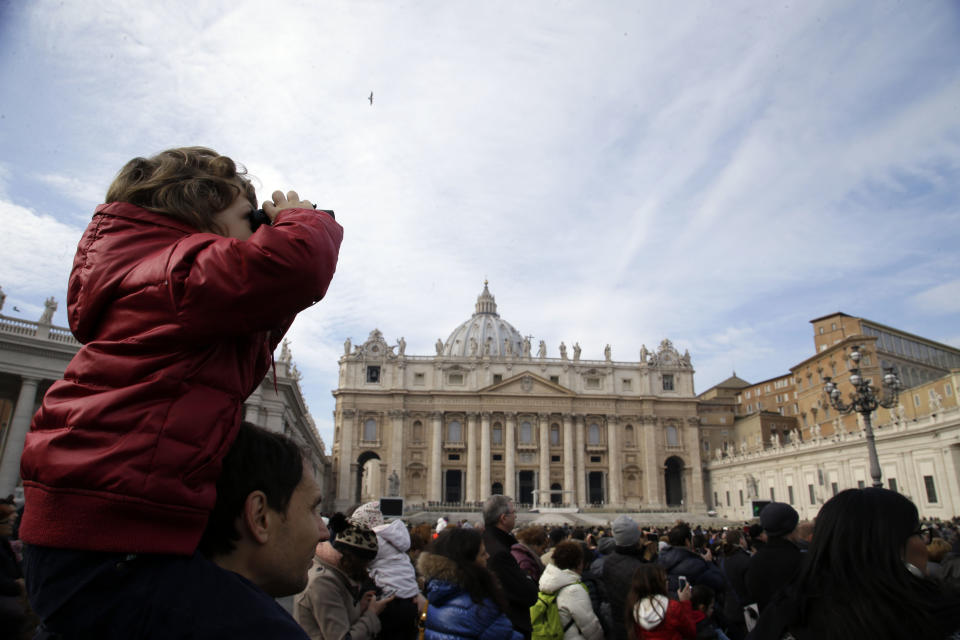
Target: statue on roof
x=439, y=347
x=576, y=351
x=49, y=307
x=526, y=347
x=542, y=351
x=401, y=346
x=346, y=347
x=606, y=353
x=563, y=350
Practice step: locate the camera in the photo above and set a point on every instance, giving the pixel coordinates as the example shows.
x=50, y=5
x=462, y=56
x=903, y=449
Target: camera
x=259, y=217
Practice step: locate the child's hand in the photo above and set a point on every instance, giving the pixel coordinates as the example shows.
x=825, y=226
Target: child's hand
x=280, y=202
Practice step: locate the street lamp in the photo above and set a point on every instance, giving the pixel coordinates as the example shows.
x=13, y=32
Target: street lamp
x=864, y=401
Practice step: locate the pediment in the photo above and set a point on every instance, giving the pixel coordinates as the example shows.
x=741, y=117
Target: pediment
x=528, y=383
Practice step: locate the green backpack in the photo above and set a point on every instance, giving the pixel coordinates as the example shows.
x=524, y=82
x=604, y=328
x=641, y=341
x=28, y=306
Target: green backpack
x=545, y=617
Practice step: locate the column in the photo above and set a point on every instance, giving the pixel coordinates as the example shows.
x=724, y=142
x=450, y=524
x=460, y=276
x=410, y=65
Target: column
x=510, y=459
x=544, y=459
x=568, y=465
x=692, y=444
x=471, y=458
x=434, y=477
x=653, y=469
x=614, y=474
x=581, y=470
x=345, y=479
x=19, y=425
x=396, y=448
x=485, y=457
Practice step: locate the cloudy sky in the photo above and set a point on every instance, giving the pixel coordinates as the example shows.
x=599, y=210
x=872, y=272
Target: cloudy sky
x=716, y=173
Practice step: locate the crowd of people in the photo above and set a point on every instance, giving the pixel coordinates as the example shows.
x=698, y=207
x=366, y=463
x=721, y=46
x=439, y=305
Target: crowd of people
x=153, y=511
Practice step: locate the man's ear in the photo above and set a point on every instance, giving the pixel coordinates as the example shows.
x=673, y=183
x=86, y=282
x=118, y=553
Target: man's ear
x=256, y=517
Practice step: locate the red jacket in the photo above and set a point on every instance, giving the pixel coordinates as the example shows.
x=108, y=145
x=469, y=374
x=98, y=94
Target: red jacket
x=677, y=623
x=178, y=328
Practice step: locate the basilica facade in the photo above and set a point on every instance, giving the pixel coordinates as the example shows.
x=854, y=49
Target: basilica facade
x=491, y=413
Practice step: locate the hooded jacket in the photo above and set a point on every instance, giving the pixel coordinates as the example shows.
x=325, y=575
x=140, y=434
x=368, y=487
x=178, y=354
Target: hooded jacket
x=451, y=613
x=680, y=561
x=658, y=618
x=328, y=609
x=178, y=328
x=573, y=601
x=392, y=569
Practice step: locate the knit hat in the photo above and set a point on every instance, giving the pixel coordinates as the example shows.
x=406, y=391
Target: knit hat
x=357, y=540
x=779, y=519
x=626, y=532
x=367, y=515
x=606, y=545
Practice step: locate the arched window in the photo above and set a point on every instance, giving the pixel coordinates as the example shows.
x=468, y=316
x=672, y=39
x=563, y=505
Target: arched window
x=593, y=433
x=526, y=433
x=454, y=432
x=554, y=434
x=496, y=435
x=629, y=436
x=673, y=438
x=496, y=489
x=418, y=431
x=370, y=430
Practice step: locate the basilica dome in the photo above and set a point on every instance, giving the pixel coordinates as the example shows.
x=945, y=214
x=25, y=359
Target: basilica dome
x=485, y=333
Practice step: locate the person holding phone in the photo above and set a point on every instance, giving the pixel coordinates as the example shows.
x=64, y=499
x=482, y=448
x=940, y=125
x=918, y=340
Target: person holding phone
x=651, y=615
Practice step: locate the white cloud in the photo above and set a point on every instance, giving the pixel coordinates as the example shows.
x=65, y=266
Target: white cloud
x=624, y=174
x=941, y=299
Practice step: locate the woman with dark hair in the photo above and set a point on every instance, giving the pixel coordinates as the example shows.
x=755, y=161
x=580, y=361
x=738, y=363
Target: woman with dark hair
x=650, y=614
x=463, y=597
x=864, y=577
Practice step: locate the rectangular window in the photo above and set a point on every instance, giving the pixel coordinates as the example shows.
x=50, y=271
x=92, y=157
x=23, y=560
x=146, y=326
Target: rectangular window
x=418, y=378
x=723, y=419
x=834, y=488
x=813, y=495
x=790, y=494
x=498, y=457
x=554, y=458
x=892, y=484
x=716, y=501
x=497, y=378
x=773, y=498
x=596, y=458
x=948, y=390
x=861, y=484
x=916, y=399
x=668, y=382
x=593, y=383
x=741, y=497
x=931, y=488
x=453, y=456
x=728, y=498
x=627, y=384
x=455, y=378
x=555, y=379
x=373, y=374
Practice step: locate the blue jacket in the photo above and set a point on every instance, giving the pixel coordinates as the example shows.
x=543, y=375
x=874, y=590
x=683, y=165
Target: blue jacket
x=452, y=614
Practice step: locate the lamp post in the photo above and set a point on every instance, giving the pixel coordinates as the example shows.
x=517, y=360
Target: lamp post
x=864, y=401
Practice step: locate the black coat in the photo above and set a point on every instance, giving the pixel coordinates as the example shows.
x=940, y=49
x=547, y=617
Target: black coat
x=518, y=588
x=618, y=570
x=773, y=567
x=680, y=561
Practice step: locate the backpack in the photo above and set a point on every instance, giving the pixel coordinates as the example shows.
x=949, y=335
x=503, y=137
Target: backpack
x=545, y=617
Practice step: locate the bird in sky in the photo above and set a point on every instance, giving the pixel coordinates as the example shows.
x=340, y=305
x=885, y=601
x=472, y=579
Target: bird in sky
x=371, y=98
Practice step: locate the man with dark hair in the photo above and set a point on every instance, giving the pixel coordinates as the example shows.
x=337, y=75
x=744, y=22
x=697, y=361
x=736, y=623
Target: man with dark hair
x=258, y=545
x=680, y=559
x=499, y=519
